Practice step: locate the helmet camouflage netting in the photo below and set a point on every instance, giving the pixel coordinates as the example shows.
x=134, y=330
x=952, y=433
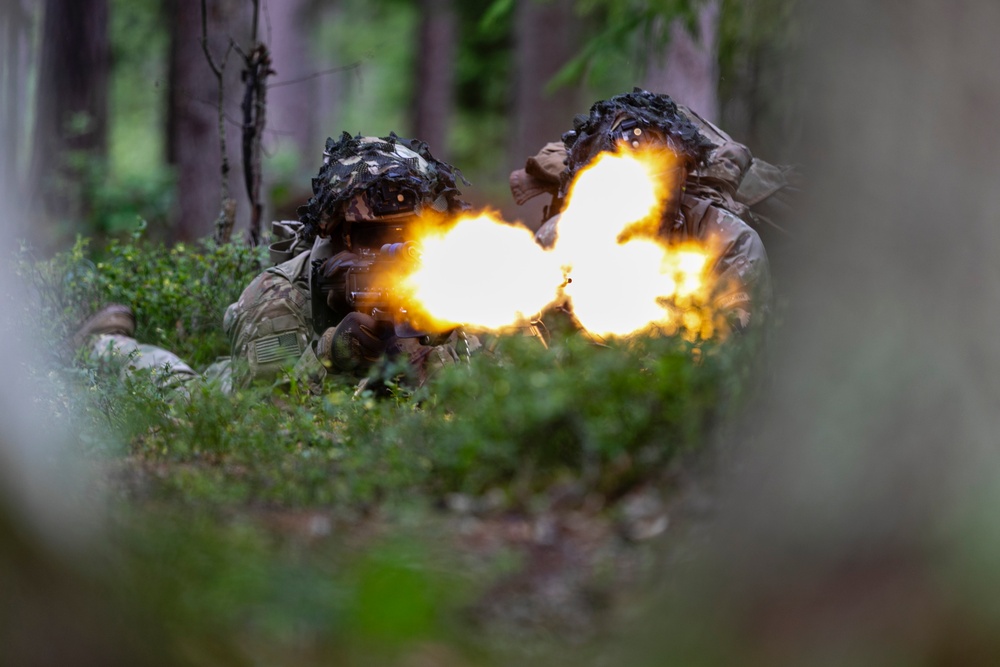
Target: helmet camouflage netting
x=354, y=164
x=593, y=134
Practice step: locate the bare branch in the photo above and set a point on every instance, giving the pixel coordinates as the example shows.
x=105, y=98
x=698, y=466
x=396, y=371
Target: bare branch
x=204, y=42
x=315, y=75
x=257, y=69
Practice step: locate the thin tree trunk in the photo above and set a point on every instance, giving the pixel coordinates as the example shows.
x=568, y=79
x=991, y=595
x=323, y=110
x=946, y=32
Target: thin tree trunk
x=547, y=36
x=72, y=101
x=16, y=21
x=193, y=111
x=291, y=108
x=688, y=70
x=434, y=96
x=14, y=26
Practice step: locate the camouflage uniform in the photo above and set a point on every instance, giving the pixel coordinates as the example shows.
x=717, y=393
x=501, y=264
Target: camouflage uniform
x=269, y=326
x=272, y=327
x=106, y=339
x=166, y=369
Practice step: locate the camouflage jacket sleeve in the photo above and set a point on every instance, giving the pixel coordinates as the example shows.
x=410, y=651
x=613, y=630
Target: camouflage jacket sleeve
x=739, y=266
x=270, y=326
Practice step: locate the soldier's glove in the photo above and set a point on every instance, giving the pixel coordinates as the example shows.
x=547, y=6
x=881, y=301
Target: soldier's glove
x=353, y=345
x=334, y=270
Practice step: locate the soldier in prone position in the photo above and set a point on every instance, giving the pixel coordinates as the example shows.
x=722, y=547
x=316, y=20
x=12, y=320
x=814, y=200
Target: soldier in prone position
x=711, y=203
x=302, y=314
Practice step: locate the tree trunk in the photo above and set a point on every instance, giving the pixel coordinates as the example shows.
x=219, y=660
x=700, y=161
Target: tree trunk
x=72, y=102
x=547, y=36
x=330, y=88
x=193, y=113
x=434, y=93
x=761, y=94
x=291, y=111
x=15, y=26
x=880, y=422
x=688, y=70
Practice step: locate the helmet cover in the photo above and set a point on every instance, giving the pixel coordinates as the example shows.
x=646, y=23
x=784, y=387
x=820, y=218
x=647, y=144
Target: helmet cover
x=636, y=118
x=367, y=179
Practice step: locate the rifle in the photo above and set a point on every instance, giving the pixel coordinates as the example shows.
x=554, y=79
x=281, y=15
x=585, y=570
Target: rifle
x=359, y=283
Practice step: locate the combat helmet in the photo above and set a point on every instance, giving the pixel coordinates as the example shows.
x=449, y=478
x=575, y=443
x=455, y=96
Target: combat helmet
x=632, y=119
x=367, y=184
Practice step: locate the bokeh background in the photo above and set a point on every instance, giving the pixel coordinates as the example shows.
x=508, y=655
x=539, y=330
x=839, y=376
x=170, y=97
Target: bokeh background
x=112, y=106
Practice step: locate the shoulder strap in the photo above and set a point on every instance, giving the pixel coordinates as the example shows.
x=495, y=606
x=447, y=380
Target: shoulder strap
x=741, y=180
x=288, y=241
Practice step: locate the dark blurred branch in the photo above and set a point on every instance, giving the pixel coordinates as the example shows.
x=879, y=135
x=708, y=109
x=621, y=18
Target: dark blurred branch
x=254, y=106
x=227, y=211
x=256, y=21
x=256, y=69
x=204, y=43
x=316, y=75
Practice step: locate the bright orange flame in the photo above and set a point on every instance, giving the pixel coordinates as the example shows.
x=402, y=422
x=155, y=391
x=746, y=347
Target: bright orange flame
x=482, y=273
x=624, y=278
x=609, y=259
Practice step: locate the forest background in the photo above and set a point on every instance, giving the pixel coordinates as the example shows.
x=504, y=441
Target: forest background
x=112, y=106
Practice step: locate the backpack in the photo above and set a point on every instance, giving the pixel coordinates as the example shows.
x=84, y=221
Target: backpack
x=751, y=188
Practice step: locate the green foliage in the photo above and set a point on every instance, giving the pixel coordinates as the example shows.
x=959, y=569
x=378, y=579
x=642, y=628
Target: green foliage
x=518, y=420
x=117, y=205
x=379, y=37
x=138, y=92
x=230, y=591
x=178, y=293
x=518, y=416
x=606, y=414
x=633, y=29
x=483, y=68
x=205, y=472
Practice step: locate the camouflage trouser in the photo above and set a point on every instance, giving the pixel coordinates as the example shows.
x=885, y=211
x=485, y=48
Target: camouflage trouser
x=166, y=370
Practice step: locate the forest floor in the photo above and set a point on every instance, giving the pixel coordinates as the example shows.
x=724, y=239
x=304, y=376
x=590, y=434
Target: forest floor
x=569, y=569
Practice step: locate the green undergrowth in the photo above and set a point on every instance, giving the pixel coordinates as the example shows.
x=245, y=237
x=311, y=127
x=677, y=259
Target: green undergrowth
x=517, y=417
x=229, y=591
x=178, y=293
x=276, y=525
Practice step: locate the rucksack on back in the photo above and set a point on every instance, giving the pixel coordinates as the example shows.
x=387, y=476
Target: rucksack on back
x=749, y=187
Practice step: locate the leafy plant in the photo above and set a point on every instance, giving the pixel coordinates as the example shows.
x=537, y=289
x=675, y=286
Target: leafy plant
x=179, y=293
x=518, y=416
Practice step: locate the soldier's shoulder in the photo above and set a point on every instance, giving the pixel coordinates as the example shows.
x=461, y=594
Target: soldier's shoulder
x=699, y=211
x=294, y=268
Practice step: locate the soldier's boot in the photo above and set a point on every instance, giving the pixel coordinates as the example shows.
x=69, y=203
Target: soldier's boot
x=114, y=318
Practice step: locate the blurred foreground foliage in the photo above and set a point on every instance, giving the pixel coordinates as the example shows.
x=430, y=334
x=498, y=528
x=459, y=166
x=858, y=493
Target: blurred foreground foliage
x=231, y=543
